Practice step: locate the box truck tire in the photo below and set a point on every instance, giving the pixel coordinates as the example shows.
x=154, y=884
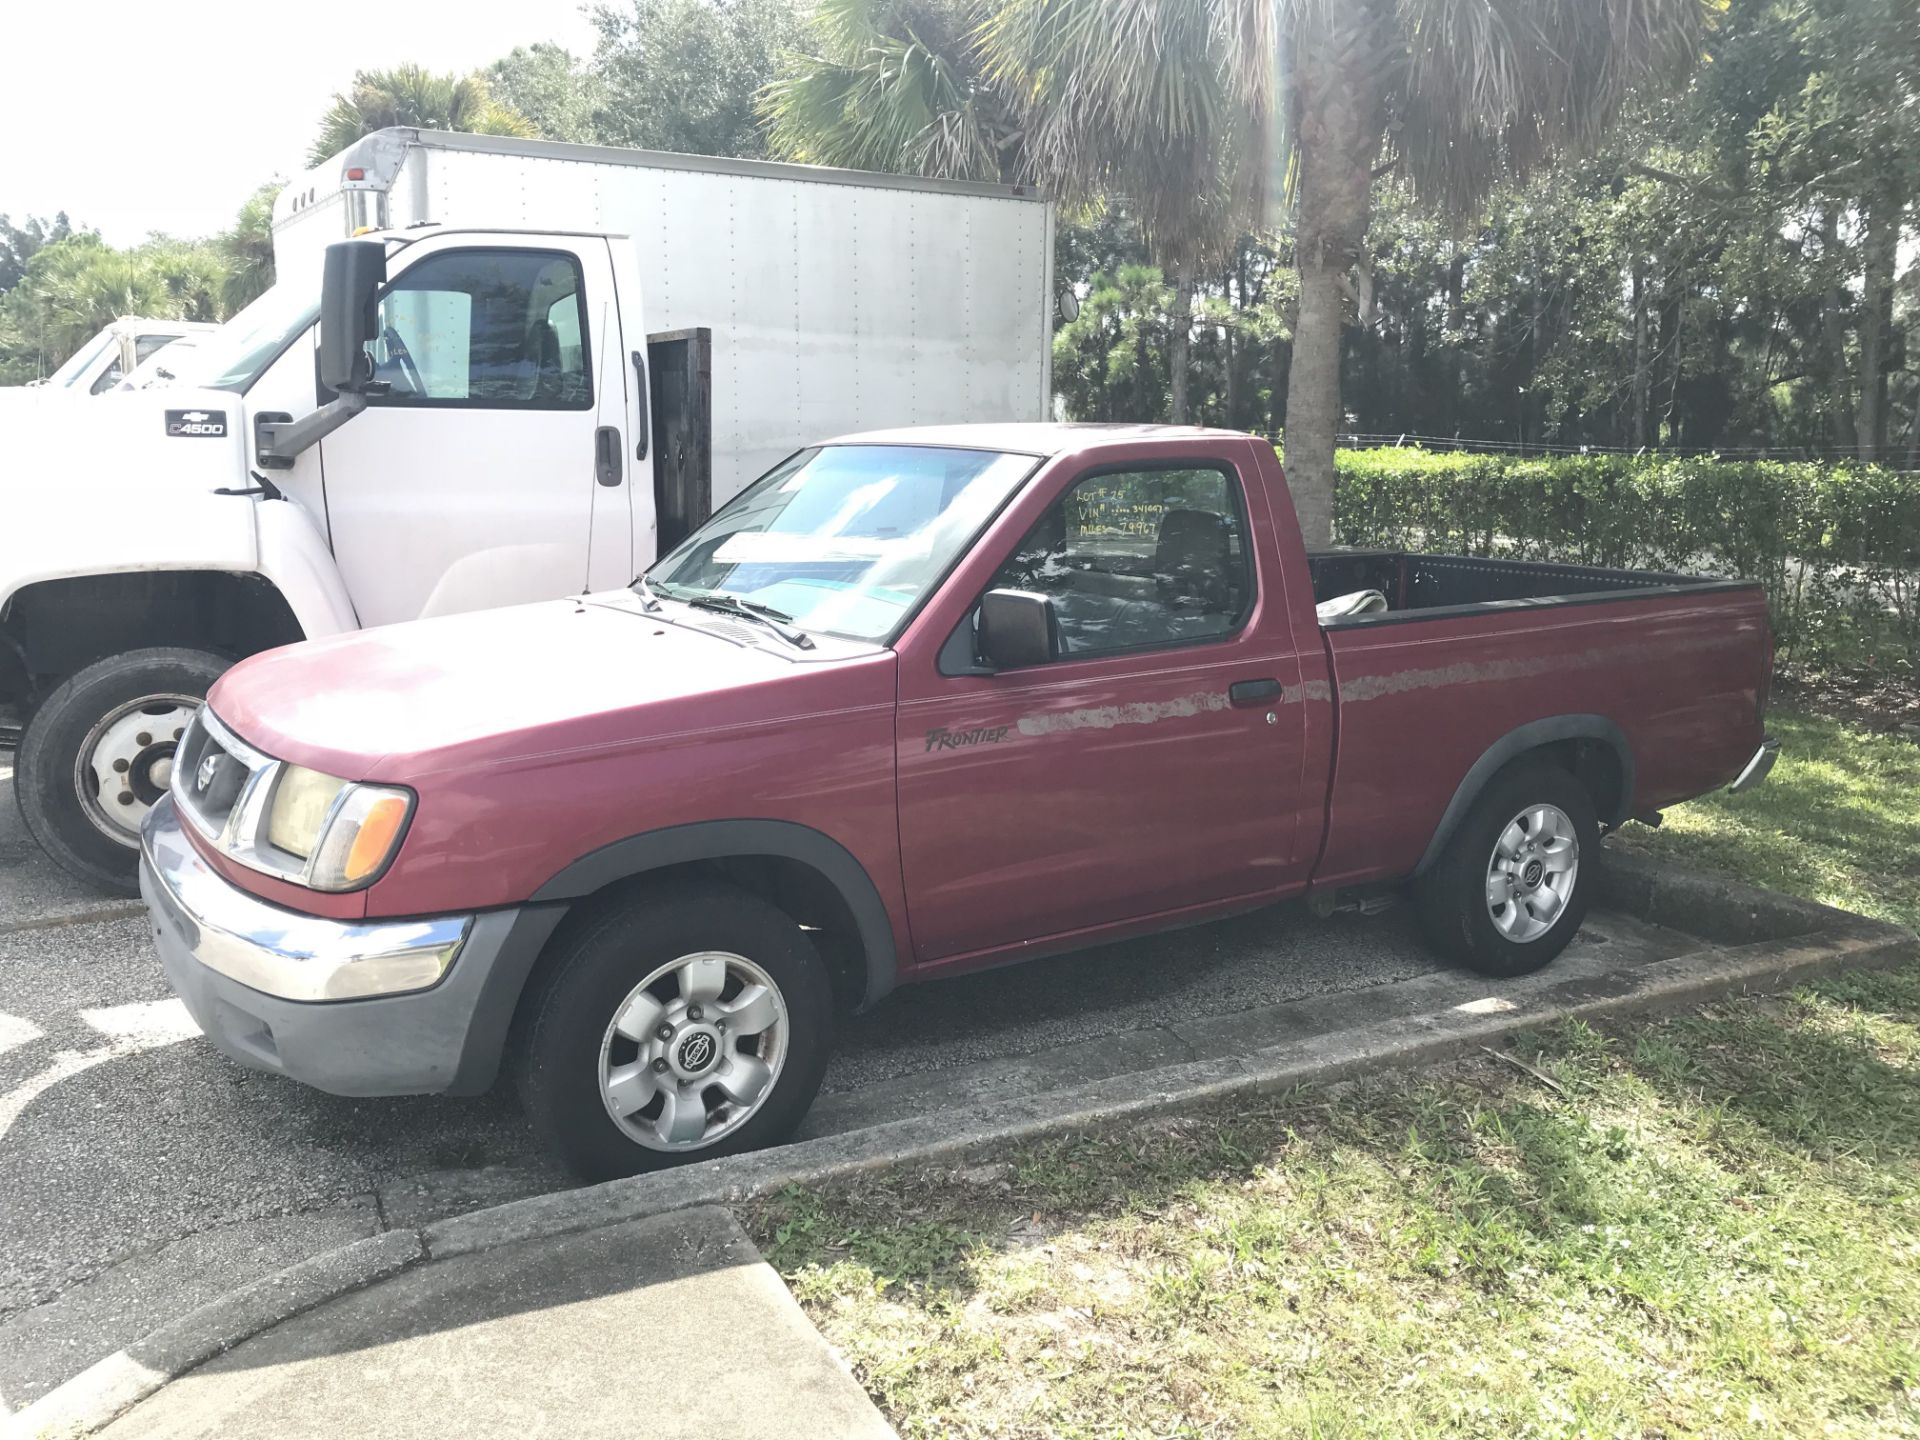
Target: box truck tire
x=98, y=753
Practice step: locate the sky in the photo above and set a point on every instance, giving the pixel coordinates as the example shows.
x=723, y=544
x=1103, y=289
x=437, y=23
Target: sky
x=135, y=116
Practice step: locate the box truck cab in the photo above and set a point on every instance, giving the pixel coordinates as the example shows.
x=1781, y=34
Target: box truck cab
x=542, y=362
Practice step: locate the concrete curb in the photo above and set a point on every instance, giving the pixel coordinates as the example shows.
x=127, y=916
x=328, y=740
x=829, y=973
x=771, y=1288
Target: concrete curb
x=101, y=1392
x=1776, y=941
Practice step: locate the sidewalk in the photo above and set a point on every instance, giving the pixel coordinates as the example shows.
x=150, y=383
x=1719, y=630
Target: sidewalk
x=667, y=1327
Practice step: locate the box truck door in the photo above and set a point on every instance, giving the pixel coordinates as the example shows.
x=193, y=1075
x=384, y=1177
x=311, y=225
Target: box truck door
x=475, y=479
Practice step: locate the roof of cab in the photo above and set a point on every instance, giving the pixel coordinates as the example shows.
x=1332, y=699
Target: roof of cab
x=1031, y=437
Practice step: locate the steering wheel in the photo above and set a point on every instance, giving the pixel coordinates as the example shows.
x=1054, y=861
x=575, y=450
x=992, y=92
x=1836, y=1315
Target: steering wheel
x=398, y=353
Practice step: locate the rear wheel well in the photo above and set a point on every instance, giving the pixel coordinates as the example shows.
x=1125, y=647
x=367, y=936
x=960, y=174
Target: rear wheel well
x=1596, y=765
x=805, y=895
x=50, y=629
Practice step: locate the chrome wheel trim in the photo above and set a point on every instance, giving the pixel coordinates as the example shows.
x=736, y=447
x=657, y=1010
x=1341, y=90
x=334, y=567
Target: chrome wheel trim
x=1532, y=872
x=126, y=762
x=693, y=1051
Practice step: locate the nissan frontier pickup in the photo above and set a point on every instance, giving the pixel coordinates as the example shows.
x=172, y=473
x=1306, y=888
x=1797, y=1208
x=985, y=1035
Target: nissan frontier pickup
x=912, y=704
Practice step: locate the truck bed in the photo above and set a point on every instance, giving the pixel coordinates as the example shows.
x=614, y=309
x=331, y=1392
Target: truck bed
x=1469, y=650
x=1419, y=586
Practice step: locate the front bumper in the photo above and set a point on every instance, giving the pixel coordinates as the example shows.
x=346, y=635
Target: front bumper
x=1758, y=767
x=393, y=1007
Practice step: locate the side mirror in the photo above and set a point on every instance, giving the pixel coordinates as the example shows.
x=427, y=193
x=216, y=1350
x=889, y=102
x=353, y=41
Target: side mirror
x=355, y=271
x=1017, y=628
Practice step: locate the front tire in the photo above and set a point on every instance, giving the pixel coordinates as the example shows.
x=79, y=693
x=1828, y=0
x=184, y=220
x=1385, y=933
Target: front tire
x=1516, y=878
x=676, y=1025
x=98, y=753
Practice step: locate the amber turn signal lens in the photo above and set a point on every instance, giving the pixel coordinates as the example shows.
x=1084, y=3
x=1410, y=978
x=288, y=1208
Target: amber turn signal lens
x=374, y=843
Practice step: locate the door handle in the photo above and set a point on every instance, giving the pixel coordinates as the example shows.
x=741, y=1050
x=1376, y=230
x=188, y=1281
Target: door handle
x=1252, y=692
x=645, y=408
x=608, y=467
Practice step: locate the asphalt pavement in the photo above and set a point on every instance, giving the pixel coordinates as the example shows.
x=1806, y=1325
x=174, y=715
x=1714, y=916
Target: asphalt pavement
x=142, y=1174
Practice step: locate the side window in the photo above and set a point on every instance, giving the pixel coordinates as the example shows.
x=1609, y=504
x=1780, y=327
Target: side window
x=1140, y=558
x=488, y=329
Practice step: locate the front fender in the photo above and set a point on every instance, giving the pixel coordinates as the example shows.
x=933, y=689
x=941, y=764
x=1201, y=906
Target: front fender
x=295, y=557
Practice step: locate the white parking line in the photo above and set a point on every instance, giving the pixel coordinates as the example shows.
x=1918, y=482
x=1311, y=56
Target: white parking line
x=143, y=1025
x=129, y=1029
x=15, y=1032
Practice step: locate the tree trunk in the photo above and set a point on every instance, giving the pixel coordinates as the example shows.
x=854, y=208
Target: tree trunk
x=1177, y=353
x=1237, y=284
x=1642, y=363
x=1876, y=319
x=1341, y=124
x=1839, y=391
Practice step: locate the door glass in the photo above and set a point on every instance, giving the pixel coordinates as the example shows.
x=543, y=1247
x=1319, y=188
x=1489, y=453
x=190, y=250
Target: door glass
x=1138, y=559
x=494, y=329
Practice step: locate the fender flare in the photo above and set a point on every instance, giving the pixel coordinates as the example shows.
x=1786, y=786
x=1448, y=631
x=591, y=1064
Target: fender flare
x=727, y=839
x=1518, y=742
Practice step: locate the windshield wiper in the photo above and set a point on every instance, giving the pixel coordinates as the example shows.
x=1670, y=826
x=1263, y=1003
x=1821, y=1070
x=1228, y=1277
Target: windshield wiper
x=643, y=587
x=777, y=621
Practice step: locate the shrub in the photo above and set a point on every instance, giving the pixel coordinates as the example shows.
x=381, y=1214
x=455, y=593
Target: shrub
x=1837, y=546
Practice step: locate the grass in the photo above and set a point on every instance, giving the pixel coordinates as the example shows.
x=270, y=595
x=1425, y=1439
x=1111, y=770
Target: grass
x=1712, y=1227
x=1838, y=821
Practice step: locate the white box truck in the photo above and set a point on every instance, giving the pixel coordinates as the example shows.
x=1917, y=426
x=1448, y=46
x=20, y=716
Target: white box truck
x=491, y=371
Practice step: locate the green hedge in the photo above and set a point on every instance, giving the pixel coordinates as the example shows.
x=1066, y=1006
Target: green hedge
x=1837, y=546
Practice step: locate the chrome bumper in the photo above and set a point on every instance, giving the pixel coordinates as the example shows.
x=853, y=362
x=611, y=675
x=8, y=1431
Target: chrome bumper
x=353, y=1008
x=1757, y=767
x=281, y=952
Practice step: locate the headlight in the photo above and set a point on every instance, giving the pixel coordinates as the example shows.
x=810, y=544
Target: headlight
x=346, y=833
x=282, y=819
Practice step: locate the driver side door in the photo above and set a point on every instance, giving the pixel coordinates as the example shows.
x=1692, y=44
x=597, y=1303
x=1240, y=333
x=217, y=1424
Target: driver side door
x=471, y=482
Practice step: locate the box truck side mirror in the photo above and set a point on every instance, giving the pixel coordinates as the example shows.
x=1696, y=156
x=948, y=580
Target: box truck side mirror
x=349, y=318
x=350, y=290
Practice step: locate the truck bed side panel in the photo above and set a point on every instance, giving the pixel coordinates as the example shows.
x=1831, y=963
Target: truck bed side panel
x=1419, y=702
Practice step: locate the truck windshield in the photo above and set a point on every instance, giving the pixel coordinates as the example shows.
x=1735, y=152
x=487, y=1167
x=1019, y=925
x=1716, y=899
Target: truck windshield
x=233, y=356
x=80, y=363
x=844, y=539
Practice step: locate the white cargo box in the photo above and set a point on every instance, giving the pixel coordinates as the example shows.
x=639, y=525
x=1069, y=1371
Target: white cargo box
x=838, y=300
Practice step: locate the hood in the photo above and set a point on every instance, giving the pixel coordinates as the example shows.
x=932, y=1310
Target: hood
x=144, y=440
x=124, y=481
x=496, y=686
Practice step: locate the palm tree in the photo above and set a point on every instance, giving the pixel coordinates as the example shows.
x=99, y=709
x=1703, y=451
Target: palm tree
x=943, y=87
x=895, y=85
x=1455, y=95
x=1152, y=101
x=248, y=250
x=410, y=95
x=1197, y=111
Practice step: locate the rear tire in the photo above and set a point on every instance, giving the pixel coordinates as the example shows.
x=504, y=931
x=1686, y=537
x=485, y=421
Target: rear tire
x=673, y=1026
x=98, y=753
x=1515, y=880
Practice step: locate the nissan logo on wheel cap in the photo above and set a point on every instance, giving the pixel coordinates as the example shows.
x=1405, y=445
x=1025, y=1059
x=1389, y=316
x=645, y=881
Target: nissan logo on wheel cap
x=697, y=1052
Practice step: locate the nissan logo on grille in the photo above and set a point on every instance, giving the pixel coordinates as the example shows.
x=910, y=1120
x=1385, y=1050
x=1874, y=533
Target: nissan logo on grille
x=203, y=777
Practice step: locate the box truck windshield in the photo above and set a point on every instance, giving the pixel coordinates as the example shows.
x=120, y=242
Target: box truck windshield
x=233, y=356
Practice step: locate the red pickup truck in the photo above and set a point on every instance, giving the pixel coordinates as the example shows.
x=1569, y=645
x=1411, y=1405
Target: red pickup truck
x=912, y=704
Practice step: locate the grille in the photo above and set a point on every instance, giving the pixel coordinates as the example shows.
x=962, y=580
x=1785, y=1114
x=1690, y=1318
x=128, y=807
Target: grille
x=211, y=773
